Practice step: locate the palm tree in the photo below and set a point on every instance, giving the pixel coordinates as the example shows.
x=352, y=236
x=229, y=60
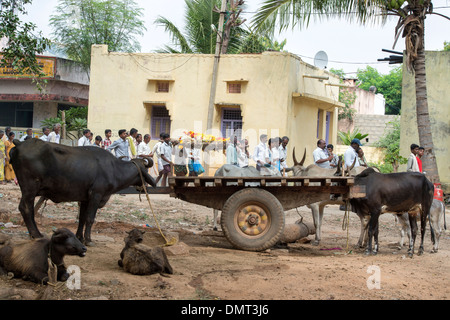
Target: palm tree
x=411, y=25
x=199, y=36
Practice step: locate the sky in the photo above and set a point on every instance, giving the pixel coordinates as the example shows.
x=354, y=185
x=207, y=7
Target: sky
x=348, y=46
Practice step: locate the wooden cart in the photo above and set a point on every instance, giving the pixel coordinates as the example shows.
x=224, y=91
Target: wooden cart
x=253, y=207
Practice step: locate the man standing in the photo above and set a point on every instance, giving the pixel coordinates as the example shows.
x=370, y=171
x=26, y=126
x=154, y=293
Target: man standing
x=46, y=132
x=55, y=136
x=412, y=165
x=321, y=156
x=351, y=153
x=144, y=150
x=133, y=142
x=261, y=152
x=120, y=146
x=232, y=152
x=84, y=141
x=419, y=158
x=29, y=134
x=282, y=149
x=165, y=150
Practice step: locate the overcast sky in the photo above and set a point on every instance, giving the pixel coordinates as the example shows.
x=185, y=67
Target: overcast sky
x=348, y=46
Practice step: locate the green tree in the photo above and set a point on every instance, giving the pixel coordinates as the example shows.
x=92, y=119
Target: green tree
x=81, y=23
x=346, y=96
x=279, y=14
x=390, y=142
x=389, y=85
x=199, y=36
x=76, y=120
x=22, y=45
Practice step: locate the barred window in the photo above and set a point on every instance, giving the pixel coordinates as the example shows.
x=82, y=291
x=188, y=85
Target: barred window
x=231, y=122
x=234, y=88
x=162, y=86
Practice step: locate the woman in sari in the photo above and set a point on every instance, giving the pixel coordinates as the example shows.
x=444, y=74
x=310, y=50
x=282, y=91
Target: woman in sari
x=9, y=172
x=2, y=158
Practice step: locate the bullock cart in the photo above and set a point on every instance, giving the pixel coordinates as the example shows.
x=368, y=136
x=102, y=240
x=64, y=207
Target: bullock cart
x=253, y=208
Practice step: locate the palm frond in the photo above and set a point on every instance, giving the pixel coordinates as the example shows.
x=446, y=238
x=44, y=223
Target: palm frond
x=176, y=35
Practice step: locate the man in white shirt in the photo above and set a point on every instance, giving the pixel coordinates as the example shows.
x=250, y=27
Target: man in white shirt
x=282, y=149
x=321, y=156
x=29, y=134
x=165, y=150
x=84, y=141
x=143, y=150
x=351, y=153
x=261, y=152
x=412, y=165
x=121, y=146
x=54, y=136
x=46, y=132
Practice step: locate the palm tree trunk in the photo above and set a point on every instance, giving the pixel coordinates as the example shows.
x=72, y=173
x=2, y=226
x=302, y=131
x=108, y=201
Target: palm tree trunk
x=423, y=119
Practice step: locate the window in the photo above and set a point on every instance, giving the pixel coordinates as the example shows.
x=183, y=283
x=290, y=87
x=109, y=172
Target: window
x=160, y=121
x=16, y=114
x=231, y=122
x=234, y=88
x=162, y=86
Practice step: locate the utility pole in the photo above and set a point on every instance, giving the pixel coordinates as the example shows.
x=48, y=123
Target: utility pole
x=212, y=95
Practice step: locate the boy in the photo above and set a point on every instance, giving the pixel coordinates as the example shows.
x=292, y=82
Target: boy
x=107, y=141
x=165, y=151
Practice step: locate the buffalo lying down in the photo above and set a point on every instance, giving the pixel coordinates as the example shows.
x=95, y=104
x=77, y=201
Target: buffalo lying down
x=88, y=175
x=29, y=259
x=139, y=259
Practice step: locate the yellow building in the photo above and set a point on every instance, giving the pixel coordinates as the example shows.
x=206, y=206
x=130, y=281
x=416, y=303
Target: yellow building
x=437, y=64
x=275, y=93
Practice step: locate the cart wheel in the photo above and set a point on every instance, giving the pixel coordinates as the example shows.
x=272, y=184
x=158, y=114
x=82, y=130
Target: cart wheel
x=252, y=219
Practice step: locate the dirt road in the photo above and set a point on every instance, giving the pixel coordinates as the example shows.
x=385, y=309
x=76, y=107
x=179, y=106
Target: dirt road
x=209, y=268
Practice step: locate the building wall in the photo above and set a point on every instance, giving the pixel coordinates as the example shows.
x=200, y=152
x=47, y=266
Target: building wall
x=276, y=99
x=67, y=83
x=437, y=65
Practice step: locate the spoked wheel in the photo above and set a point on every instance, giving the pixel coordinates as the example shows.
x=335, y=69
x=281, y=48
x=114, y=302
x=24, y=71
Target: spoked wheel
x=252, y=219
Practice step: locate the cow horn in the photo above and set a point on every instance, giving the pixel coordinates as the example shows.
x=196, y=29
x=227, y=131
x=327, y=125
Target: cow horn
x=338, y=168
x=296, y=163
x=295, y=160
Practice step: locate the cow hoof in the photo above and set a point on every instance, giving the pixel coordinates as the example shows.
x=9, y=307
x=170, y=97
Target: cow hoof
x=89, y=244
x=367, y=252
x=215, y=229
x=315, y=242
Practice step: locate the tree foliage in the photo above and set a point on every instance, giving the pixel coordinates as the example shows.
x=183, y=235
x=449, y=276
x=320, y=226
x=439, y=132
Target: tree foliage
x=81, y=23
x=390, y=142
x=200, y=37
x=22, y=44
x=76, y=120
x=389, y=85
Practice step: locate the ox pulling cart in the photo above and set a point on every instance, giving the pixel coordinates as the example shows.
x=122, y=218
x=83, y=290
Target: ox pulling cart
x=253, y=208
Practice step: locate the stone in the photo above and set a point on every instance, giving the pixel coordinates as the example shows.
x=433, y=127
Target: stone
x=178, y=249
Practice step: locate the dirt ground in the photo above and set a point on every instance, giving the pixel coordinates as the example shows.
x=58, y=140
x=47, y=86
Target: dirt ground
x=210, y=269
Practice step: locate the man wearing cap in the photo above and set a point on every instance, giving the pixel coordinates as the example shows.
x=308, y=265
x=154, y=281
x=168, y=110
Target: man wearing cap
x=351, y=154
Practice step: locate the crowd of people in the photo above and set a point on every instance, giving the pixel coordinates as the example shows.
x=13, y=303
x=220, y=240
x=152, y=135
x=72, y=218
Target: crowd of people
x=269, y=155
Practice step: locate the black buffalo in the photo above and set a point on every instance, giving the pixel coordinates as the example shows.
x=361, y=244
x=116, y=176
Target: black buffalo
x=88, y=175
x=399, y=192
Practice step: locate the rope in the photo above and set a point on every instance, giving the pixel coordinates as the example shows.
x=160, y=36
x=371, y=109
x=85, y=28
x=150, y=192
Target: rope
x=173, y=240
